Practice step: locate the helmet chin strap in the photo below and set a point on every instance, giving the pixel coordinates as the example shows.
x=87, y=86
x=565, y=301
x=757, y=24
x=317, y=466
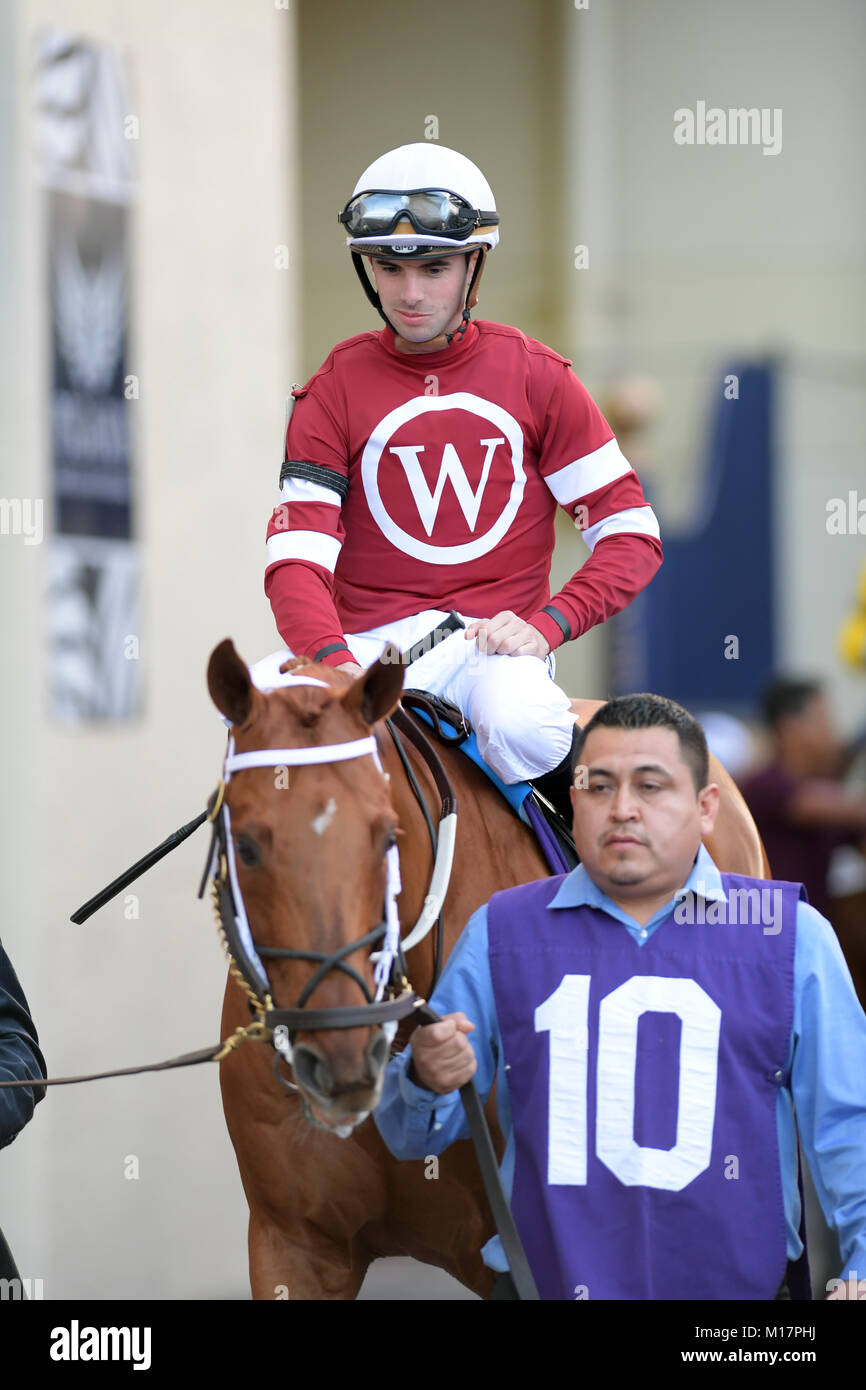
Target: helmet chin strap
x=358, y=263
x=446, y=339
x=458, y=332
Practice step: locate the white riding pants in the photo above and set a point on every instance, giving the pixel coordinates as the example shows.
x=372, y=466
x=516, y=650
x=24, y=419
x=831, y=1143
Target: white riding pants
x=522, y=720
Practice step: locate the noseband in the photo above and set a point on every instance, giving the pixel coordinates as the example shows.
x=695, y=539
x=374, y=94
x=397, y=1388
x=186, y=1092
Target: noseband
x=245, y=956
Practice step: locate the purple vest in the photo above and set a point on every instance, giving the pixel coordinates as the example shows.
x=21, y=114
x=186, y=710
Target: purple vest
x=643, y=1082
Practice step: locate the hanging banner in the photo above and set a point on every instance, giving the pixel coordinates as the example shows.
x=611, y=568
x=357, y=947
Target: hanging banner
x=85, y=139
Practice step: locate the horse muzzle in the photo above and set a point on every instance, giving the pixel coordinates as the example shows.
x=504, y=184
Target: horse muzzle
x=340, y=1085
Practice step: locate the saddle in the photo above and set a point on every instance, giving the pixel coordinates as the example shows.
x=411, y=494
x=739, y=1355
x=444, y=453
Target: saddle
x=452, y=729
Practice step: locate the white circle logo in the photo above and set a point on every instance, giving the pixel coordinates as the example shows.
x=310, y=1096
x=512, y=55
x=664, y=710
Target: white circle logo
x=427, y=502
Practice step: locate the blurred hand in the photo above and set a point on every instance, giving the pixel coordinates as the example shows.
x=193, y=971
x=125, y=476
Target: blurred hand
x=508, y=635
x=442, y=1056
x=350, y=667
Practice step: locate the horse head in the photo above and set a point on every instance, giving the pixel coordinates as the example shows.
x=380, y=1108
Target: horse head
x=311, y=833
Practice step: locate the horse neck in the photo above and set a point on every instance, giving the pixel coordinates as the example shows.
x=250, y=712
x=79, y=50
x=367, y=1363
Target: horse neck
x=494, y=849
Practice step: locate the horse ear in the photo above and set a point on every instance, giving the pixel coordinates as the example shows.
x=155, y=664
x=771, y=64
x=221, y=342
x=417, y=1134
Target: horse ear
x=228, y=681
x=375, y=694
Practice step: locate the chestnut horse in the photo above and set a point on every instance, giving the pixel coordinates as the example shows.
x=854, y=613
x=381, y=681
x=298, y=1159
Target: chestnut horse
x=311, y=868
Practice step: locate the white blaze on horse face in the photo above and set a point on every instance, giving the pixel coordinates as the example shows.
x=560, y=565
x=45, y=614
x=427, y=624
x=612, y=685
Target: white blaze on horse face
x=323, y=820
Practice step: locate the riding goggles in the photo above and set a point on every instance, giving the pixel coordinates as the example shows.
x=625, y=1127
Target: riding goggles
x=436, y=211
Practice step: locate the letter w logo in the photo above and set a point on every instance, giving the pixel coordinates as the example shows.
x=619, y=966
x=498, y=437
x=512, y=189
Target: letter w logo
x=426, y=501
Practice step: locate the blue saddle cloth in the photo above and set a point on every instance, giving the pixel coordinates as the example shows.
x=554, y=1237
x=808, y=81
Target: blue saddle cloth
x=517, y=794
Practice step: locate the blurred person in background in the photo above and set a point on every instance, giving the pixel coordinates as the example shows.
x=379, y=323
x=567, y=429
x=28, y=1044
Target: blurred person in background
x=729, y=740
x=802, y=807
x=631, y=405
x=807, y=817
x=20, y=1059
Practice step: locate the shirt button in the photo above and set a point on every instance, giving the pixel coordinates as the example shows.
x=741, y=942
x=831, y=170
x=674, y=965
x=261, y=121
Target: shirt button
x=437, y=1126
x=777, y=1075
x=643, y=932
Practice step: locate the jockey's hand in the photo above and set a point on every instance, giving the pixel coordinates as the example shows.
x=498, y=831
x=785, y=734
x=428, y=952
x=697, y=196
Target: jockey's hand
x=442, y=1056
x=508, y=635
x=350, y=667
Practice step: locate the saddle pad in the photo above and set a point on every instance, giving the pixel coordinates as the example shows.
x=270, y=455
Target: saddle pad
x=515, y=793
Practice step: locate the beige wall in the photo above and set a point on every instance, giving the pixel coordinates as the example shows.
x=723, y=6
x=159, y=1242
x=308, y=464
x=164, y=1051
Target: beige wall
x=700, y=252
x=213, y=323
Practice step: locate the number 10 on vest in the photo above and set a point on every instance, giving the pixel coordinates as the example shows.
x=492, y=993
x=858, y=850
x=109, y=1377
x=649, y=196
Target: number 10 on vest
x=565, y=1016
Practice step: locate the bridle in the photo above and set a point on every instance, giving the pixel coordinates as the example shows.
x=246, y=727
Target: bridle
x=394, y=998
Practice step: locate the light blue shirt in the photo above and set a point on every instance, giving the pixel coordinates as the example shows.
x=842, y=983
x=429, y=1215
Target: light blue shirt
x=826, y=1065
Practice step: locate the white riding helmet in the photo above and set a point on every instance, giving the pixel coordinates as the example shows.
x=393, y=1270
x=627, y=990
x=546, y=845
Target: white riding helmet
x=417, y=202
x=421, y=200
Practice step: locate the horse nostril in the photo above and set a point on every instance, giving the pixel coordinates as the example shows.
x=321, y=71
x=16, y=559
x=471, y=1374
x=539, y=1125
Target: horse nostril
x=312, y=1071
x=377, y=1056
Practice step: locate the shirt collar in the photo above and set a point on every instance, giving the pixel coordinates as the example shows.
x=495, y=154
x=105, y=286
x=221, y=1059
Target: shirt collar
x=578, y=889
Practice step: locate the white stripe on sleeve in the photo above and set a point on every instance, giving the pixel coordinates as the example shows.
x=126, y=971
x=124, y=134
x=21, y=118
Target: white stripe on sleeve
x=303, y=545
x=302, y=490
x=641, y=521
x=589, y=473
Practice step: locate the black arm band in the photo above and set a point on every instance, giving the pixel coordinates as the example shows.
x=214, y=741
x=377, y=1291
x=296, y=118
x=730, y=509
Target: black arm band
x=315, y=473
x=334, y=647
x=560, y=621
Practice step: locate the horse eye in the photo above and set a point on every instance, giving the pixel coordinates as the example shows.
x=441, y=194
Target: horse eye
x=248, y=851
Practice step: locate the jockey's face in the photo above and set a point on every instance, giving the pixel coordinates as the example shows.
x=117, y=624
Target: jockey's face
x=638, y=820
x=423, y=298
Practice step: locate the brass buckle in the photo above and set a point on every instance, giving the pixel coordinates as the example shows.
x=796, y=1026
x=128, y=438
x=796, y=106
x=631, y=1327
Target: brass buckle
x=221, y=791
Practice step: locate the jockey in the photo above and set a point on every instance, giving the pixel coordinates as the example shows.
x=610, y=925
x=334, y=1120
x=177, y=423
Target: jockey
x=423, y=466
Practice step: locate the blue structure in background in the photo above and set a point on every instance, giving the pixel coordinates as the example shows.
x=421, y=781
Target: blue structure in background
x=717, y=580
